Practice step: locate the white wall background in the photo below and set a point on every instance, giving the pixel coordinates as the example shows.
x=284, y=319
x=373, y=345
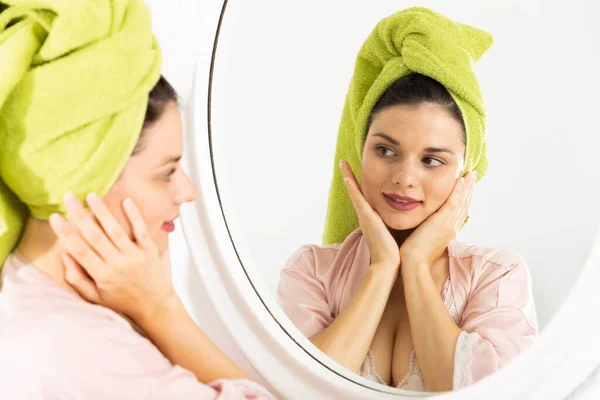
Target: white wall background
x=285, y=76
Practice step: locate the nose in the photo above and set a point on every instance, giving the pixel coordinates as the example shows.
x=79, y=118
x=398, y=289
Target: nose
x=187, y=190
x=406, y=174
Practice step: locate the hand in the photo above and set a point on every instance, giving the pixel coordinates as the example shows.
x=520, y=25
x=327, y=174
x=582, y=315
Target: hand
x=432, y=237
x=382, y=246
x=105, y=266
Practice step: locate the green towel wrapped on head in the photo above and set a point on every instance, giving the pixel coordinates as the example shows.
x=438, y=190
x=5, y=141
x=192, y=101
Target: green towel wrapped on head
x=74, y=87
x=415, y=40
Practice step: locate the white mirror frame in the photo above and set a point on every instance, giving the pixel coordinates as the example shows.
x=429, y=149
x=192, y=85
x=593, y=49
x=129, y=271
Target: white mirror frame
x=561, y=364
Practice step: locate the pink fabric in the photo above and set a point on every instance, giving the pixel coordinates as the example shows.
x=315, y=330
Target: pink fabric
x=491, y=290
x=54, y=345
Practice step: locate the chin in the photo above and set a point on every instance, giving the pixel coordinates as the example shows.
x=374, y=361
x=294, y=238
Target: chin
x=402, y=223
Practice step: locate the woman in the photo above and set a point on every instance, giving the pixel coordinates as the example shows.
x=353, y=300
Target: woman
x=77, y=116
x=399, y=300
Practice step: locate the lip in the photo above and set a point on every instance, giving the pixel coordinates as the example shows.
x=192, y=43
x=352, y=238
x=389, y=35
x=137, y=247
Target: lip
x=169, y=226
x=390, y=199
x=398, y=197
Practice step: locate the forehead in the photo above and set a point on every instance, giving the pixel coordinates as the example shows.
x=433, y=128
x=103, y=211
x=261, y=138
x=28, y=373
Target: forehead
x=164, y=138
x=418, y=123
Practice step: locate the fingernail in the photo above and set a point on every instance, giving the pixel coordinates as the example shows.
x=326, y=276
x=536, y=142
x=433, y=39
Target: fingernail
x=68, y=196
x=91, y=197
x=56, y=221
x=127, y=201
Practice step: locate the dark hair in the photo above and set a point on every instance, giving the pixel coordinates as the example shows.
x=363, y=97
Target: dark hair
x=160, y=96
x=416, y=89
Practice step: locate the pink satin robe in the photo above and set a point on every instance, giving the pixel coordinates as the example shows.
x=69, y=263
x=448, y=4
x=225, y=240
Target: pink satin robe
x=489, y=295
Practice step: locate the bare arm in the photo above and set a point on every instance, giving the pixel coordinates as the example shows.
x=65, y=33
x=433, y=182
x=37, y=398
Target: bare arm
x=432, y=328
x=179, y=338
x=348, y=338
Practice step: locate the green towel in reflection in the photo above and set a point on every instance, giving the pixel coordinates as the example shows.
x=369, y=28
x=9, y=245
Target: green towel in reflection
x=413, y=40
x=75, y=76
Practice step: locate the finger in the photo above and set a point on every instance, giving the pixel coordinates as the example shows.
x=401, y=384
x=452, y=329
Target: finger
x=461, y=193
x=80, y=280
x=75, y=245
x=140, y=230
x=358, y=200
x=89, y=228
x=467, y=193
x=347, y=173
x=109, y=223
x=469, y=189
x=453, y=200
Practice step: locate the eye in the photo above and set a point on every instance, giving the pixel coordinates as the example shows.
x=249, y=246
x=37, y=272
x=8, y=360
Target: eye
x=384, y=151
x=167, y=176
x=433, y=162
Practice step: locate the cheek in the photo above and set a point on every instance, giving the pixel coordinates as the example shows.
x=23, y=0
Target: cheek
x=440, y=188
x=369, y=178
x=154, y=220
x=152, y=201
x=151, y=215
x=114, y=200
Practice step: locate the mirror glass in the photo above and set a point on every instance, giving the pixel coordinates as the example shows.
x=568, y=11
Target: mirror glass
x=284, y=80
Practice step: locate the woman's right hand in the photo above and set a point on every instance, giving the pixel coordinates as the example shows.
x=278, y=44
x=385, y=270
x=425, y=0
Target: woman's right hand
x=382, y=246
x=129, y=277
x=105, y=266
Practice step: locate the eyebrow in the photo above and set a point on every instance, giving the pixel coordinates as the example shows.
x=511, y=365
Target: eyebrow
x=171, y=160
x=438, y=150
x=427, y=150
x=388, y=138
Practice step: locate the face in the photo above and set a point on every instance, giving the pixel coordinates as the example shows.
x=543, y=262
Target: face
x=412, y=158
x=154, y=179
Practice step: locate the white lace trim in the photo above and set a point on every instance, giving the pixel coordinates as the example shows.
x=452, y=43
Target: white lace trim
x=463, y=359
x=413, y=371
x=369, y=371
x=413, y=380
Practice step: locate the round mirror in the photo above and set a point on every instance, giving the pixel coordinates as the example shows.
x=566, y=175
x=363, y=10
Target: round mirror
x=278, y=90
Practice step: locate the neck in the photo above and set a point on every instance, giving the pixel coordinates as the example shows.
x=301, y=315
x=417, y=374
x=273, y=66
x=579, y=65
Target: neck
x=400, y=236
x=40, y=246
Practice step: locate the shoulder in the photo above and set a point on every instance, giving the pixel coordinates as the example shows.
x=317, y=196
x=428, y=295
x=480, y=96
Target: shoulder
x=500, y=273
x=486, y=265
x=65, y=340
x=482, y=256
x=59, y=326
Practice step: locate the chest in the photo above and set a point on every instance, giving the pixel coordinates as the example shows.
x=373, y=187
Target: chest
x=392, y=348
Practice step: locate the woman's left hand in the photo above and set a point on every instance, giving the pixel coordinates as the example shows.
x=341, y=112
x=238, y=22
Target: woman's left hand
x=432, y=237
